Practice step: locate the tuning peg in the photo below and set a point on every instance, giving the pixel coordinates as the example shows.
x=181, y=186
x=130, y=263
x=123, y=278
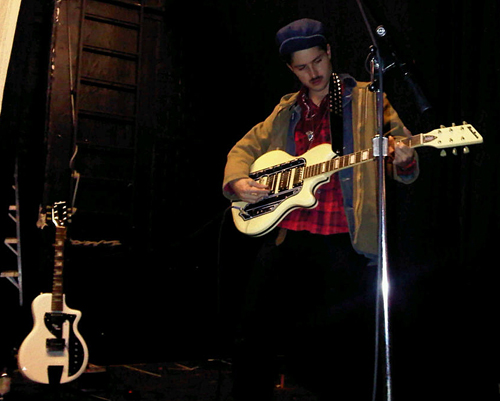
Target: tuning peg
x=443, y=153
x=466, y=150
x=454, y=151
x=452, y=124
x=442, y=126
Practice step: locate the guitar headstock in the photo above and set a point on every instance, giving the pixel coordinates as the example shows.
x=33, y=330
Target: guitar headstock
x=59, y=214
x=450, y=137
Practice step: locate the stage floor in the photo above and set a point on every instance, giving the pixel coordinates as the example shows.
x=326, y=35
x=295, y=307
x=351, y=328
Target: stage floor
x=208, y=380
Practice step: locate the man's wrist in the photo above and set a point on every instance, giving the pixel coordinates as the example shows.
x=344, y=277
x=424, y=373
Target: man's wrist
x=407, y=168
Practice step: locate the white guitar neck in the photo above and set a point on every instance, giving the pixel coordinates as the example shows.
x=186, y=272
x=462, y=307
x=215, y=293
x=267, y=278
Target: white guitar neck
x=445, y=137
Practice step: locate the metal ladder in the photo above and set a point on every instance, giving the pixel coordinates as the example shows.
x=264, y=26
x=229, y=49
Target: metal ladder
x=14, y=243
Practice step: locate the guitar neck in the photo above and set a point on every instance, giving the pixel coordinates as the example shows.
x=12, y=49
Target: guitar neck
x=343, y=162
x=57, y=284
x=462, y=135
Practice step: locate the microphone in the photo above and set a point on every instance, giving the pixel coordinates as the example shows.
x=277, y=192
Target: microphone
x=421, y=101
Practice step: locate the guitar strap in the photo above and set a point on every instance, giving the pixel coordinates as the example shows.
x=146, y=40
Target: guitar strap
x=336, y=120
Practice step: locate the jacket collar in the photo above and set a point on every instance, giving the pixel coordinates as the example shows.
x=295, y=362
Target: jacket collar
x=349, y=83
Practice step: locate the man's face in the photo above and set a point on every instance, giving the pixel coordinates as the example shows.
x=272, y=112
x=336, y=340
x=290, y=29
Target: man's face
x=313, y=68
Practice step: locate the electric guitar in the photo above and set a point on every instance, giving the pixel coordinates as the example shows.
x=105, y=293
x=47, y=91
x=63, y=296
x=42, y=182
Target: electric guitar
x=293, y=180
x=54, y=352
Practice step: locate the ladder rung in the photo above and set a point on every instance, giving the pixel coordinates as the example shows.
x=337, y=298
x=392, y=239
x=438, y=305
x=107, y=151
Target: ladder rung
x=10, y=242
x=12, y=207
x=9, y=273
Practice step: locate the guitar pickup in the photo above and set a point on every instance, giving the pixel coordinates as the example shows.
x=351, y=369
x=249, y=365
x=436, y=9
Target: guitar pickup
x=55, y=344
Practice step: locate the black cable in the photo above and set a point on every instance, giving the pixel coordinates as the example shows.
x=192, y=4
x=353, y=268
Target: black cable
x=219, y=311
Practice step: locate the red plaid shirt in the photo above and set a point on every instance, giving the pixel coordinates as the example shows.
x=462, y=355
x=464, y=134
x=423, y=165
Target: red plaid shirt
x=328, y=216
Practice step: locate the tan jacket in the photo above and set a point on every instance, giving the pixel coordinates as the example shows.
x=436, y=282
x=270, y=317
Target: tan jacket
x=359, y=184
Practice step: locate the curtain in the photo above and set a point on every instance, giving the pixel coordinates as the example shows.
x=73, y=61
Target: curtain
x=8, y=21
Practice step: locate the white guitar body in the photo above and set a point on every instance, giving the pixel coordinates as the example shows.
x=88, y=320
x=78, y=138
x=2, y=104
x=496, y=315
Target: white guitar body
x=49, y=358
x=303, y=196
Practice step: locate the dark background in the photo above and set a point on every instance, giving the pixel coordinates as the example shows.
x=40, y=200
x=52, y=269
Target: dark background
x=203, y=75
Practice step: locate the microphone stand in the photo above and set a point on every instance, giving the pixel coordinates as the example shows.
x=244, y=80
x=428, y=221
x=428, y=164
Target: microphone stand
x=380, y=148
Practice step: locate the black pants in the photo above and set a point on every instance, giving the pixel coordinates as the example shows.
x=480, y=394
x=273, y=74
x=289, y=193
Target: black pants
x=312, y=300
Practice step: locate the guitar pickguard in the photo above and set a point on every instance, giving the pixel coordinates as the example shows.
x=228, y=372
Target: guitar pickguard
x=284, y=180
x=54, y=322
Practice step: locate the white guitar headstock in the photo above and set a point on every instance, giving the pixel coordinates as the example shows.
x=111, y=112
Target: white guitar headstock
x=452, y=137
x=456, y=135
x=59, y=214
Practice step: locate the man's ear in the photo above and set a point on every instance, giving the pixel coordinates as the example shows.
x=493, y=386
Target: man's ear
x=329, y=51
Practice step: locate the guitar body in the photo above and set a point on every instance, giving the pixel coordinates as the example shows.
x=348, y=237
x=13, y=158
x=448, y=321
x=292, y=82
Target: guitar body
x=54, y=352
x=260, y=218
x=293, y=180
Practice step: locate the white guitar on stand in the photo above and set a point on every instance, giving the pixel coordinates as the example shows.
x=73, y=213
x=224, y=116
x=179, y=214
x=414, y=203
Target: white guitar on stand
x=54, y=352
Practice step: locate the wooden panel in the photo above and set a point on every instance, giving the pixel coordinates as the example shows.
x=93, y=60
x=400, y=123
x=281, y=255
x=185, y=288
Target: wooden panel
x=110, y=165
x=113, y=11
x=106, y=100
x=109, y=68
x=104, y=198
x=105, y=132
x=106, y=35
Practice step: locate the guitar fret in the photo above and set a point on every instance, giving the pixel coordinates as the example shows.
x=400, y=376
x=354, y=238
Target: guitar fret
x=313, y=170
x=415, y=140
x=338, y=163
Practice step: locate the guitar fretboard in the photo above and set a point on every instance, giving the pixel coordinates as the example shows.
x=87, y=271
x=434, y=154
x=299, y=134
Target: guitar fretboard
x=353, y=159
x=57, y=284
